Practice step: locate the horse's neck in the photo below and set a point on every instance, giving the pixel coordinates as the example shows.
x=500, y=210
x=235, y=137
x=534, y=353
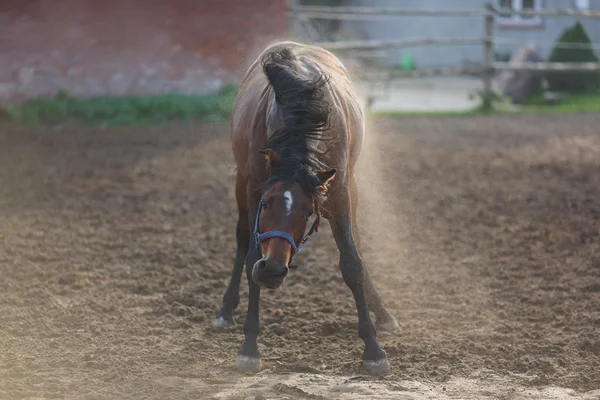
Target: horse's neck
x=273, y=120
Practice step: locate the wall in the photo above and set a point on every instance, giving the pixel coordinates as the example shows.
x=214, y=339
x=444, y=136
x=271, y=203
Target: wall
x=92, y=47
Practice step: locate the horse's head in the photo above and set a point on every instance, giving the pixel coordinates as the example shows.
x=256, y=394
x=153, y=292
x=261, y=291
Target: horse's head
x=286, y=207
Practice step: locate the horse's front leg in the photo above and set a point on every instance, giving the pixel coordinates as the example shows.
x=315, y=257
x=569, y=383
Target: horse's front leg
x=248, y=360
x=231, y=298
x=351, y=265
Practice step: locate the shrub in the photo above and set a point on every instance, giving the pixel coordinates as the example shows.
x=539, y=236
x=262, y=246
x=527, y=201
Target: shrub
x=573, y=82
x=125, y=110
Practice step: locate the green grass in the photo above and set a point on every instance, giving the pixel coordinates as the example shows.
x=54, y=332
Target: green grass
x=156, y=109
x=125, y=110
x=573, y=103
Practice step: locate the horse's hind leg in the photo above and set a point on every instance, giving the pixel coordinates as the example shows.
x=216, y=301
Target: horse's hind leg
x=385, y=321
x=231, y=298
x=351, y=266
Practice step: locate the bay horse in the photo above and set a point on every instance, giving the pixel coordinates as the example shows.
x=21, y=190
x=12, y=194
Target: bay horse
x=297, y=130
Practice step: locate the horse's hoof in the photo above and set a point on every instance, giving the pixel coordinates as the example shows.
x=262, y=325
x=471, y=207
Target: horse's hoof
x=220, y=323
x=248, y=365
x=377, y=367
x=389, y=325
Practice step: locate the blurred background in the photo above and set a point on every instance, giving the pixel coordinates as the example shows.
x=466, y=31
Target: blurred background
x=479, y=211
x=90, y=47
x=87, y=48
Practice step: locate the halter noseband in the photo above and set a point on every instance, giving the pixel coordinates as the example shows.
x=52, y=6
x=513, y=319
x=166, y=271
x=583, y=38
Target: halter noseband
x=259, y=237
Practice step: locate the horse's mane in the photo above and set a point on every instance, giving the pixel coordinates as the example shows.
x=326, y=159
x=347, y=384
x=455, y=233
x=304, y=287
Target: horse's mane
x=300, y=99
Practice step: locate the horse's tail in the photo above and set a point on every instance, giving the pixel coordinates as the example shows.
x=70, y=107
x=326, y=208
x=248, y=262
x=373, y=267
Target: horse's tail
x=299, y=94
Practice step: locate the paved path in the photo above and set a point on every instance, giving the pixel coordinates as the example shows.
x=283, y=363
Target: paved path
x=422, y=94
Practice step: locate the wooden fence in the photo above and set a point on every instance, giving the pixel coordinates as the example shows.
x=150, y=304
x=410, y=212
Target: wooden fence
x=489, y=13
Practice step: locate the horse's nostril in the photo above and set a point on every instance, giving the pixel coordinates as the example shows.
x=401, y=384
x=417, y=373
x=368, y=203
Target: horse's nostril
x=261, y=265
x=268, y=269
x=277, y=270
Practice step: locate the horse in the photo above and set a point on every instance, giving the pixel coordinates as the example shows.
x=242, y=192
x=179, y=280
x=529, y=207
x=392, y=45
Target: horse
x=297, y=129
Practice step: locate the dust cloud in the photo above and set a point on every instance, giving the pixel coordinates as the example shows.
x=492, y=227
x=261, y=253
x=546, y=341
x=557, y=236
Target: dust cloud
x=383, y=227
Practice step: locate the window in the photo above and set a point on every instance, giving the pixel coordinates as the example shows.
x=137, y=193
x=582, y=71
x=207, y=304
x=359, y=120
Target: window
x=518, y=20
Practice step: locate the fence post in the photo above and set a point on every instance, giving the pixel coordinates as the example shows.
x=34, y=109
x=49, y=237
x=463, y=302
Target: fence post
x=488, y=58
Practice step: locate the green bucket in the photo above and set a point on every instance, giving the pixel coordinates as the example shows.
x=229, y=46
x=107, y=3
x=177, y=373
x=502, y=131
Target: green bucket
x=407, y=62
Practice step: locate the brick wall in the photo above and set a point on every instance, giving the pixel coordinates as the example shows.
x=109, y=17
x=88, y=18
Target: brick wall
x=91, y=47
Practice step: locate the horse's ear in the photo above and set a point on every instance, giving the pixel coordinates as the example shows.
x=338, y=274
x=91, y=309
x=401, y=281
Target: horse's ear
x=270, y=157
x=324, y=176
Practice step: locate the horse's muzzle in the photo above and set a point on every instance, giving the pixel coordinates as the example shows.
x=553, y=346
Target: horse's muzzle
x=269, y=274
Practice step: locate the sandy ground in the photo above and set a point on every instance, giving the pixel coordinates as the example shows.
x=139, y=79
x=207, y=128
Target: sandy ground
x=483, y=235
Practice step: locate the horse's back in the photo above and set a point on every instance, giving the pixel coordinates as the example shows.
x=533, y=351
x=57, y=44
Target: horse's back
x=255, y=100
x=313, y=61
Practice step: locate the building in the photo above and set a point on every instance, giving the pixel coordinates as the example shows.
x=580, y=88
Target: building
x=510, y=33
x=94, y=47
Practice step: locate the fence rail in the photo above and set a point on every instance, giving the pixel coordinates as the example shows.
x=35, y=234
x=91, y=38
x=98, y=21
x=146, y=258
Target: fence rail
x=479, y=69
x=546, y=66
x=376, y=44
x=489, y=14
x=353, y=13
x=548, y=44
x=419, y=73
x=347, y=12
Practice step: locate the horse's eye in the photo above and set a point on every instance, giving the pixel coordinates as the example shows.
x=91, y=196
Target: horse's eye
x=308, y=215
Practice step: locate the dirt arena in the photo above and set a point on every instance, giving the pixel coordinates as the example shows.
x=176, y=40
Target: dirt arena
x=483, y=234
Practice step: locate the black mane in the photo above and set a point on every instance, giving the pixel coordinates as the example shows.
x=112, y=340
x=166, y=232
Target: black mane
x=305, y=116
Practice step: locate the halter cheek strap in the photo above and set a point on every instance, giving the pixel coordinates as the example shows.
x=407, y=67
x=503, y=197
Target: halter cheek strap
x=259, y=237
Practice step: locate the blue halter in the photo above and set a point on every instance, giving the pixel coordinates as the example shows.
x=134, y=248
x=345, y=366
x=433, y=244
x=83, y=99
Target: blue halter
x=259, y=237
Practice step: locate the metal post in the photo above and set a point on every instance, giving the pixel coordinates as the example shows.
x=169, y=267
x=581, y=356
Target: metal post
x=488, y=58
